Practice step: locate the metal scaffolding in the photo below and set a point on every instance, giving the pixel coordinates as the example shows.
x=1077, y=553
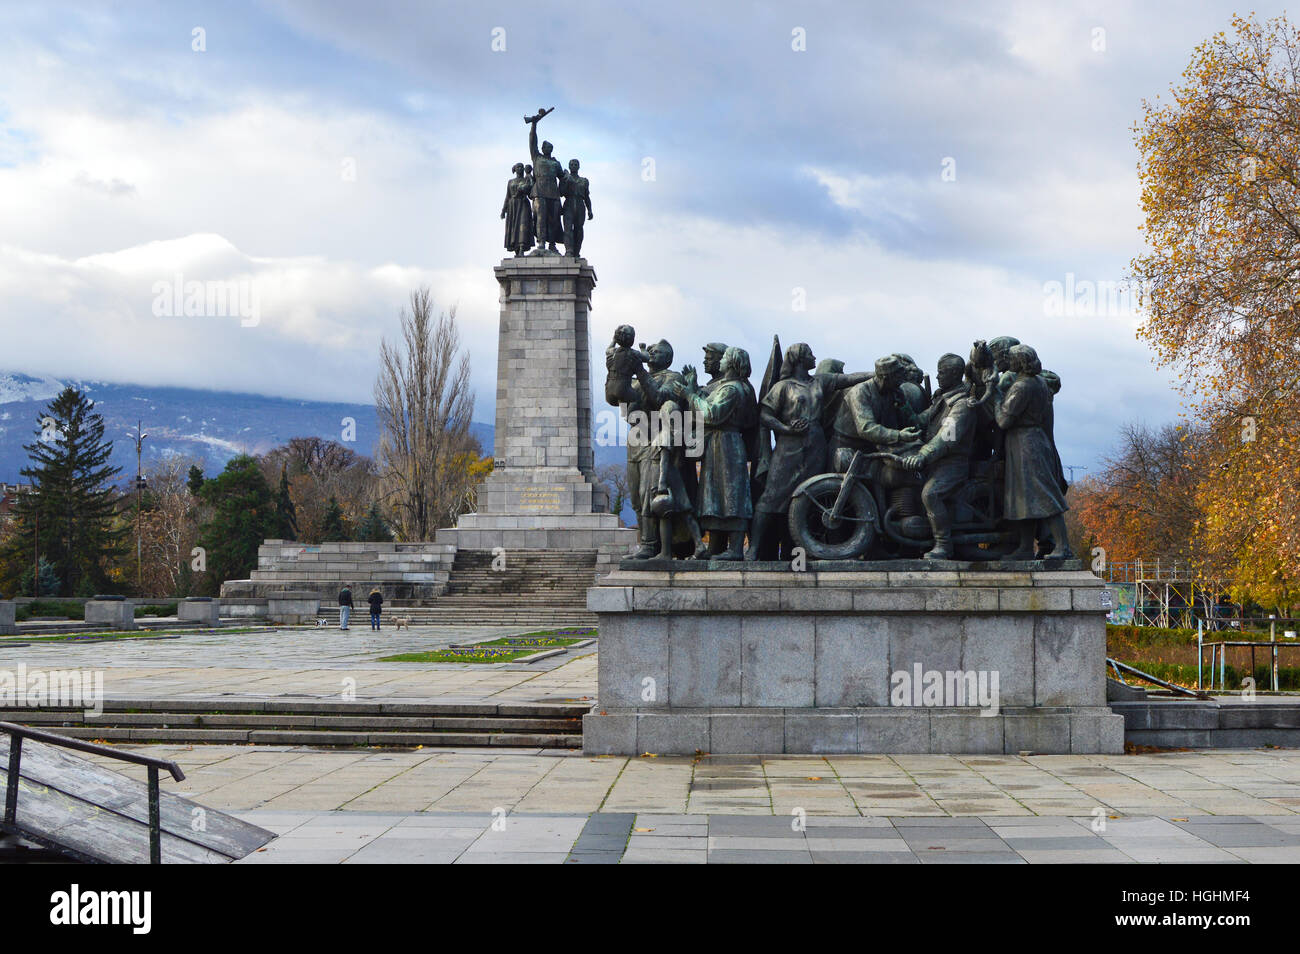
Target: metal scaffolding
x=1174, y=595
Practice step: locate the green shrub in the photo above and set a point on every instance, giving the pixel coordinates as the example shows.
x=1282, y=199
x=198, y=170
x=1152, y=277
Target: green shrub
x=72, y=609
x=165, y=609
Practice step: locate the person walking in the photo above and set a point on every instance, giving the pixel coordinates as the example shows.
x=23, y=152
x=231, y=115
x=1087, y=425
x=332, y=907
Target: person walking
x=345, y=606
x=376, y=600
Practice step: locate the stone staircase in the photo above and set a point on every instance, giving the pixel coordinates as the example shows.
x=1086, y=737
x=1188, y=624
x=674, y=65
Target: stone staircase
x=536, y=589
x=533, y=585
x=318, y=723
x=431, y=583
x=403, y=571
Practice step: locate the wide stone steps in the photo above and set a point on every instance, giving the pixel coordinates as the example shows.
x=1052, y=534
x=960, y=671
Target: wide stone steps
x=312, y=723
x=472, y=610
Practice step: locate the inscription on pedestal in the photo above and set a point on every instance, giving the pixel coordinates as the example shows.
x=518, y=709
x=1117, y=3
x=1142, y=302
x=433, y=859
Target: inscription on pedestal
x=540, y=500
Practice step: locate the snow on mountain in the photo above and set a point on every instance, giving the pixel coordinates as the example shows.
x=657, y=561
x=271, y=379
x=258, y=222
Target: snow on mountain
x=16, y=386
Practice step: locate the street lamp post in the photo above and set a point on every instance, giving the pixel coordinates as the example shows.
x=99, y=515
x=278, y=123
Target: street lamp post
x=140, y=435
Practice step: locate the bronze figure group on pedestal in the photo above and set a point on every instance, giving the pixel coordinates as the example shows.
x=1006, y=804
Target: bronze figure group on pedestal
x=842, y=466
x=545, y=203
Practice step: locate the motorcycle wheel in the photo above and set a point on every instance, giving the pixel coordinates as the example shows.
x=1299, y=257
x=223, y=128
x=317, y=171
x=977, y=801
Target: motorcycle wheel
x=850, y=537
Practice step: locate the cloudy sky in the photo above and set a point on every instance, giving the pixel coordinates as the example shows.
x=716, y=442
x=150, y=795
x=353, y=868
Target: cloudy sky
x=915, y=176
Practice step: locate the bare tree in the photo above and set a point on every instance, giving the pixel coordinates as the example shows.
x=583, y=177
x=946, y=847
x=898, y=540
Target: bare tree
x=424, y=404
x=320, y=469
x=614, y=477
x=168, y=526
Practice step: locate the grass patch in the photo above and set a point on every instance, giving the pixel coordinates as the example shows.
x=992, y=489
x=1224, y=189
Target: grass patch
x=577, y=632
x=489, y=654
x=502, y=649
x=538, y=641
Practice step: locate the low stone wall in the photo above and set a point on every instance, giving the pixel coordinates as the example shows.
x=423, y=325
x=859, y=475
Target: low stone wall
x=292, y=607
x=759, y=659
x=199, y=609
x=244, y=607
x=114, y=613
x=1219, y=723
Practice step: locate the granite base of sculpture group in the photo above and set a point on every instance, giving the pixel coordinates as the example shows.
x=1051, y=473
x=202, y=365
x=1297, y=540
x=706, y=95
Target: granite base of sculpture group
x=755, y=658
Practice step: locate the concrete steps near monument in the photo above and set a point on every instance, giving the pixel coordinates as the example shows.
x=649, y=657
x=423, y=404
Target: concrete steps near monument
x=472, y=612
x=318, y=723
x=403, y=571
x=536, y=588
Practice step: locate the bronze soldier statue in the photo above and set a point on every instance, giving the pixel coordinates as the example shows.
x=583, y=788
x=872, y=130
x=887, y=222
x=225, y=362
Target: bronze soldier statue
x=879, y=415
x=945, y=456
x=713, y=352
x=644, y=450
x=577, y=208
x=673, y=504
x=792, y=409
x=546, y=189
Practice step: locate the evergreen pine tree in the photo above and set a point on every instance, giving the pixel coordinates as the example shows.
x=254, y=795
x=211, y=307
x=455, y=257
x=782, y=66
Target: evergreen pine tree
x=374, y=528
x=333, y=527
x=243, y=515
x=195, y=479
x=285, y=514
x=73, y=501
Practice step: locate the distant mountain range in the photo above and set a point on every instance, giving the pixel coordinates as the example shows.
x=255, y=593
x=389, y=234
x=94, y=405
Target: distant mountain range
x=210, y=426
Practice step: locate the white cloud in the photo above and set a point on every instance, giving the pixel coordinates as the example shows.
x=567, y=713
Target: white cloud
x=124, y=165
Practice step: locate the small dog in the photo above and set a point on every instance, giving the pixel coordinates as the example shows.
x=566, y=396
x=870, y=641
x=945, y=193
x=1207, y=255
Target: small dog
x=401, y=621
x=321, y=622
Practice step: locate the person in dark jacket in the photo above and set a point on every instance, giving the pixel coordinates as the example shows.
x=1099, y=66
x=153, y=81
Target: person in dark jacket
x=345, y=606
x=376, y=601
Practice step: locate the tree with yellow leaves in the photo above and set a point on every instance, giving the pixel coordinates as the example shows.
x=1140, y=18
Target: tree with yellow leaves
x=1220, y=279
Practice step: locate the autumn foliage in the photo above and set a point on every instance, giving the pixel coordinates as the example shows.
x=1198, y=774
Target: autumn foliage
x=1220, y=278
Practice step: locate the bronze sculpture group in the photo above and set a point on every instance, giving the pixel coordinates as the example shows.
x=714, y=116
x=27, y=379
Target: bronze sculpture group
x=871, y=464
x=545, y=203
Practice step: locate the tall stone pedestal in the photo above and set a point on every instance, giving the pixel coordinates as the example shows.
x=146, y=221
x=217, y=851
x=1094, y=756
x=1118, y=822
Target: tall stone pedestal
x=883, y=658
x=543, y=493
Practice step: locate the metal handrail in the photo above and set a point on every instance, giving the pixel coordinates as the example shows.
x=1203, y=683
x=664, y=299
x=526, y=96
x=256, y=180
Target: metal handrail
x=17, y=733
x=1219, y=652
x=1121, y=668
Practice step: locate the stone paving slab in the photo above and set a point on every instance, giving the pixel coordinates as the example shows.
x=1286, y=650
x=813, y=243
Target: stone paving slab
x=1100, y=789
x=341, y=837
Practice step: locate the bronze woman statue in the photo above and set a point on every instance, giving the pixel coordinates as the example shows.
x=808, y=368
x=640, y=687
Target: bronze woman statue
x=728, y=411
x=517, y=210
x=1032, y=492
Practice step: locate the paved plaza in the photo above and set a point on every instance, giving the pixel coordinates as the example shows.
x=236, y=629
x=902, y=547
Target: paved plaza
x=656, y=838
x=1176, y=784
x=478, y=806
x=471, y=805
x=306, y=662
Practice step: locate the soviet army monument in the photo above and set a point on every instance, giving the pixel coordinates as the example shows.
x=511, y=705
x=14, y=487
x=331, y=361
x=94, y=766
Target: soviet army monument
x=905, y=583
x=542, y=493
